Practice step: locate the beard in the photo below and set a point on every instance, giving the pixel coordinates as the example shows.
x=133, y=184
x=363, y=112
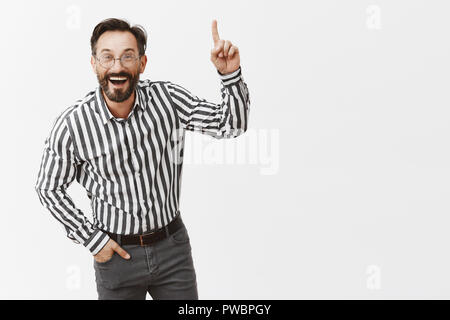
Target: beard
x=118, y=94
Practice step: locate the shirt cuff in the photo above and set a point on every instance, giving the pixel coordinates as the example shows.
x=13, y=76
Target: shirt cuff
x=96, y=241
x=232, y=77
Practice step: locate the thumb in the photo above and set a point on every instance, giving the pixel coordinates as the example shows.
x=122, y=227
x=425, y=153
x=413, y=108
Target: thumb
x=215, y=52
x=122, y=252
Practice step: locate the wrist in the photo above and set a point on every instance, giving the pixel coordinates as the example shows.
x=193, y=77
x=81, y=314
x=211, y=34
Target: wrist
x=231, y=77
x=96, y=241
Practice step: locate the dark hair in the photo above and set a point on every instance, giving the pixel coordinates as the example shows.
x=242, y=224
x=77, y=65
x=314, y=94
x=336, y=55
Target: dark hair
x=113, y=24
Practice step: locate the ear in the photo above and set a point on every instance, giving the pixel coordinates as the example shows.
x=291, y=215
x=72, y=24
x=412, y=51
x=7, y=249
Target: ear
x=93, y=64
x=143, y=62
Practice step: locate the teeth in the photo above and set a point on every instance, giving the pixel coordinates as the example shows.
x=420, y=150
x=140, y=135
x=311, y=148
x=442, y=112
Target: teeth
x=118, y=78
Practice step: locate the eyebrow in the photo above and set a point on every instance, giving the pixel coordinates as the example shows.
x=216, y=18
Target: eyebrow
x=127, y=49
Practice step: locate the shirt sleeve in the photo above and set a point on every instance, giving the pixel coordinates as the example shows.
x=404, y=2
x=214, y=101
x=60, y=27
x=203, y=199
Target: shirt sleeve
x=228, y=119
x=57, y=171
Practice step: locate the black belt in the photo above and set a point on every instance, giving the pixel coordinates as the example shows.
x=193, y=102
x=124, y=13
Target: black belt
x=148, y=238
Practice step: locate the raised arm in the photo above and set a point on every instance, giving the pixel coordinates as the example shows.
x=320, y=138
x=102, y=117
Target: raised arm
x=229, y=118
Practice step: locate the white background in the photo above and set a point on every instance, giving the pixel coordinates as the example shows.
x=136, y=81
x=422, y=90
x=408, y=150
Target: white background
x=344, y=192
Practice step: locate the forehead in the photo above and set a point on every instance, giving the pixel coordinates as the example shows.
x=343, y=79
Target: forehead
x=116, y=41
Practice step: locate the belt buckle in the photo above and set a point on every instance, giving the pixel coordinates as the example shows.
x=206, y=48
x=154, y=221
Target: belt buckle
x=141, y=237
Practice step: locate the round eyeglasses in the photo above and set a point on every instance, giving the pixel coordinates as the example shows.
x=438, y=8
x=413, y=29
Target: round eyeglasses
x=127, y=60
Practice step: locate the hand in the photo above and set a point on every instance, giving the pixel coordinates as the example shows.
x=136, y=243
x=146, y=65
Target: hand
x=224, y=55
x=108, y=251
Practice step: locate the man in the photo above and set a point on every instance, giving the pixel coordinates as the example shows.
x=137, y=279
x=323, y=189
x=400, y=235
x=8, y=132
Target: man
x=123, y=142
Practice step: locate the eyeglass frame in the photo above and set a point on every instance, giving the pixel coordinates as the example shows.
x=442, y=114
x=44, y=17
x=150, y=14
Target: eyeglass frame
x=114, y=60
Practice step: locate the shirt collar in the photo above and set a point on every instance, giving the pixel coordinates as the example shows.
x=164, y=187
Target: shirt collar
x=103, y=108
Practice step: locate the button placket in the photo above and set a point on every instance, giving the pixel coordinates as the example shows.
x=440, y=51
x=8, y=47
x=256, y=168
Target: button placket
x=134, y=161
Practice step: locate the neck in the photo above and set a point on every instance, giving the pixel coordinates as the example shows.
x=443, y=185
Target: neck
x=120, y=109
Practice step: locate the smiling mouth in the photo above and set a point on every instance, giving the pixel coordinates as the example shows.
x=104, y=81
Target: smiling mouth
x=118, y=81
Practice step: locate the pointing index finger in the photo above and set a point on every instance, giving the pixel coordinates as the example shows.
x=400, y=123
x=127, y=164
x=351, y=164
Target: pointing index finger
x=215, y=33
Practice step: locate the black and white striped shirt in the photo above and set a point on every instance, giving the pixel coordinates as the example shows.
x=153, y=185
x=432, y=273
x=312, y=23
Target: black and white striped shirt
x=131, y=168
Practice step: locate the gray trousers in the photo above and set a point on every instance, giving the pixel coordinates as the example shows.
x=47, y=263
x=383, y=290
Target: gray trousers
x=164, y=269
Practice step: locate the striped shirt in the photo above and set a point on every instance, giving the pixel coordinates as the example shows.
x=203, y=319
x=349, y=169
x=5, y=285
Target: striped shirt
x=131, y=168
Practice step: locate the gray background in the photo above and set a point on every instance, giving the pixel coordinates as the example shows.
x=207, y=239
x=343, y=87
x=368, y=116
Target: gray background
x=342, y=183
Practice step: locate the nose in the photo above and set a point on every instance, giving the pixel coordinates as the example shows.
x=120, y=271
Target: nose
x=117, y=67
